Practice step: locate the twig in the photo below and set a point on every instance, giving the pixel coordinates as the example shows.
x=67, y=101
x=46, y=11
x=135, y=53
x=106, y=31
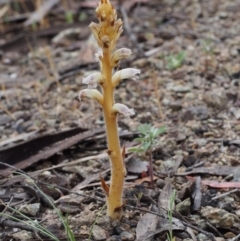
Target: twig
x=13, y=224
x=210, y=226
x=194, y=166
x=157, y=96
x=149, y=154
x=225, y=194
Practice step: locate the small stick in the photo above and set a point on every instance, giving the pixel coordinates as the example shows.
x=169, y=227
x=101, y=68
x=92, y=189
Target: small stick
x=225, y=194
x=157, y=96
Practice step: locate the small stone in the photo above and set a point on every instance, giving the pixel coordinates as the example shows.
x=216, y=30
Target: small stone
x=175, y=106
x=184, y=207
x=104, y=221
x=234, y=52
x=166, y=102
x=4, y=119
x=181, y=88
x=200, y=142
x=51, y=122
x=23, y=235
x=219, y=239
x=170, y=146
x=140, y=63
x=217, y=99
x=18, y=126
x=223, y=15
x=197, y=82
x=127, y=236
x=169, y=163
x=114, y=238
x=235, y=112
x=99, y=233
x=30, y=209
x=195, y=112
x=237, y=128
x=238, y=213
x=26, y=125
x=229, y=235
x=119, y=229
x=190, y=96
x=202, y=237
x=135, y=165
x=219, y=217
x=160, y=183
x=21, y=114
x=86, y=217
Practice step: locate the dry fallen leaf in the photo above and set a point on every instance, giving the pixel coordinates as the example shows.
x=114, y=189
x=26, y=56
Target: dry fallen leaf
x=146, y=224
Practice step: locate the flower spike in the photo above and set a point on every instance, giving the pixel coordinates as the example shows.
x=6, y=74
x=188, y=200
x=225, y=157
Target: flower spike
x=125, y=74
x=107, y=32
x=122, y=109
x=92, y=94
x=92, y=80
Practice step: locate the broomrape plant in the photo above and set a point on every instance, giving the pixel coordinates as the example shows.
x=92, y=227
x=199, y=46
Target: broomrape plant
x=106, y=33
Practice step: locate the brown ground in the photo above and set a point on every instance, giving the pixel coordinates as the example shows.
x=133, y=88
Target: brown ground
x=189, y=55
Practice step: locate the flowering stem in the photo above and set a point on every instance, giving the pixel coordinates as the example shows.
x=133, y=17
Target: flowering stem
x=114, y=198
x=107, y=33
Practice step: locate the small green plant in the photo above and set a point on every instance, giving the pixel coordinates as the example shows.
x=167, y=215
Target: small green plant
x=170, y=216
x=207, y=46
x=69, y=17
x=149, y=140
x=176, y=61
x=82, y=16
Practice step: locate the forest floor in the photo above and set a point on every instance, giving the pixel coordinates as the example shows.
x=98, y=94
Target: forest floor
x=53, y=146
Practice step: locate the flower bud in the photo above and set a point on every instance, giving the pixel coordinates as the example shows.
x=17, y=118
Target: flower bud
x=95, y=28
x=125, y=74
x=92, y=94
x=122, y=109
x=120, y=54
x=92, y=80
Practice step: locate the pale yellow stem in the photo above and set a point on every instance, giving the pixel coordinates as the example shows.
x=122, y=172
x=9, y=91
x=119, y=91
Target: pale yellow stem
x=114, y=199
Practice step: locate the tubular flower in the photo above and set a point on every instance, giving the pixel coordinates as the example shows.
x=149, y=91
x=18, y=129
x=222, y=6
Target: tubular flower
x=122, y=109
x=92, y=94
x=125, y=74
x=120, y=54
x=92, y=80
